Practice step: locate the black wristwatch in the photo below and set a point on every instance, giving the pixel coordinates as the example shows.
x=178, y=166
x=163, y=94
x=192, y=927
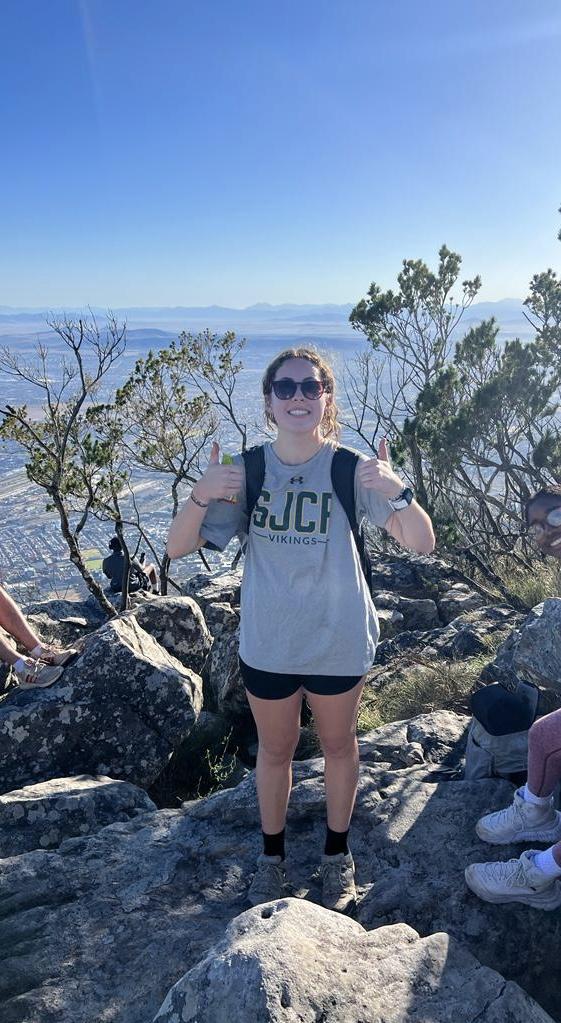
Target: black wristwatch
x=402, y=500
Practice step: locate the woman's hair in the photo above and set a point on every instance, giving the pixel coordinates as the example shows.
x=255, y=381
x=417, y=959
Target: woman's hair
x=329, y=425
x=115, y=543
x=552, y=491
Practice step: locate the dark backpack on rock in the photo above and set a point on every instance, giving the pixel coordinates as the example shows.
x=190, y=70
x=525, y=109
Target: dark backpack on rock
x=343, y=467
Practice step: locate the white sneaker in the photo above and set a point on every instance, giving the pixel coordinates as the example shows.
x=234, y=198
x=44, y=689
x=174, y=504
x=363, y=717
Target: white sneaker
x=515, y=881
x=521, y=822
x=36, y=675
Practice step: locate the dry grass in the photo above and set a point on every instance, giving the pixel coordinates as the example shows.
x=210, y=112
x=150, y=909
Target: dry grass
x=424, y=686
x=534, y=585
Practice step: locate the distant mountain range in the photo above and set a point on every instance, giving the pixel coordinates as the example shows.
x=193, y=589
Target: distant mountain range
x=506, y=311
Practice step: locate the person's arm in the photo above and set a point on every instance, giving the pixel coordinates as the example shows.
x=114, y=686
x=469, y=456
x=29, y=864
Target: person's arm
x=411, y=526
x=218, y=482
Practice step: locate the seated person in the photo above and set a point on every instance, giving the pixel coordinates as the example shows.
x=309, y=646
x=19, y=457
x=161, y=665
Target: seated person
x=142, y=577
x=43, y=664
x=534, y=878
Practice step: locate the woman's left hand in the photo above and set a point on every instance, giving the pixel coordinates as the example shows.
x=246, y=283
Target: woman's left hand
x=377, y=473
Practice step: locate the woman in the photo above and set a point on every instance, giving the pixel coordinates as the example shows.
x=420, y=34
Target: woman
x=43, y=664
x=308, y=625
x=534, y=878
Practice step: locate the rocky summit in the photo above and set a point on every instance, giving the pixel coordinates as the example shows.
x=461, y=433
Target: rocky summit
x=114, y=909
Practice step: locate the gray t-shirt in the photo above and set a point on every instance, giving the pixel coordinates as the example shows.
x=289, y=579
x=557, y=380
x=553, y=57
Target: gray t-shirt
x=305, y=606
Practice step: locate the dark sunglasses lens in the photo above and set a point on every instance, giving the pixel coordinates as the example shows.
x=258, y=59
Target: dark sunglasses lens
x=312, y=388
x=284, y=389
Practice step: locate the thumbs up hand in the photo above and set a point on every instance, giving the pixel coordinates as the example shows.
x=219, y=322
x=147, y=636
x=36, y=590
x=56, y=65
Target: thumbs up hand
x=377, y=473
x=384, y=451
x=219, y=482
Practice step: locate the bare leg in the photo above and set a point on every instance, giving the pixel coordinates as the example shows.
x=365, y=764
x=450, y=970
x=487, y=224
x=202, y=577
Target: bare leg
x=278, y=728
x=14, y=623
x=152, y=575
x=8, y=653
x=335, y=718
x=544, y=761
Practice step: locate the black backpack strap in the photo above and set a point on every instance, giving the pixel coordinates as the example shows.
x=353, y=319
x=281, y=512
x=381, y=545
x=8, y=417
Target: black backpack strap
x=254, y=460
x=343, y=466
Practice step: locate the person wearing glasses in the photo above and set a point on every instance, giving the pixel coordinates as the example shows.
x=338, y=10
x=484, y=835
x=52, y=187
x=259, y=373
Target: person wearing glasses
x=307, y=622
x=534, y=878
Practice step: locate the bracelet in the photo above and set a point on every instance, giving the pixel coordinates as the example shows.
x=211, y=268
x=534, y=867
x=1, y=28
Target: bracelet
x=199, y=504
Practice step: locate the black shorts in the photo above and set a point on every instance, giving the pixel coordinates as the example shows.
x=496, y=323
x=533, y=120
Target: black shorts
x=271, y=685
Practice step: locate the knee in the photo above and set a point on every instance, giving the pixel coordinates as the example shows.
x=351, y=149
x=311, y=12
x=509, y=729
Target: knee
x=339, y=747
x=279, y=751
x=546, y=732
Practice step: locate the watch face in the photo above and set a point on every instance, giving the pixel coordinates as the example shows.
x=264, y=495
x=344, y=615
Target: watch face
x=403, y=500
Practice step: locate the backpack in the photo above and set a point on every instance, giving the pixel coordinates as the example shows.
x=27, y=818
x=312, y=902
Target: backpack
x=497, y=742
x=343, y=467
x=494, y=756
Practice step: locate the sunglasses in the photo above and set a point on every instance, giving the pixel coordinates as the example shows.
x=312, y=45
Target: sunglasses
x=552, y=519
x=286, y=388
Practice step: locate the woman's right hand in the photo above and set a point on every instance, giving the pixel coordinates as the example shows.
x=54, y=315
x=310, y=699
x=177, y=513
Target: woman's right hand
x=219, y=482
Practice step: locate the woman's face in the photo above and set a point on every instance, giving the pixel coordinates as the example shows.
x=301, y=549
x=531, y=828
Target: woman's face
x=544, y=524
x=299, y=414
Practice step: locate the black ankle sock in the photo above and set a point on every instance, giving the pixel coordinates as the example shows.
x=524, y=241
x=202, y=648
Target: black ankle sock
x=335, y=842
x=273, y=845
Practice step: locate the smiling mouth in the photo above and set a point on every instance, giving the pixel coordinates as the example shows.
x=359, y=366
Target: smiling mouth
x=298, y=412
x=555, y=543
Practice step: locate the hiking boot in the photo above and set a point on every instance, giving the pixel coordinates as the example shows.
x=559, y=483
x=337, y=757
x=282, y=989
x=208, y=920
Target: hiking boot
x=514, y=881
x=269, y=880
x=38, y=676
x=521, y=822
x=338, y=880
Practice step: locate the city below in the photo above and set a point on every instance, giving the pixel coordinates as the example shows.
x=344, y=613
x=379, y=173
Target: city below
x=34, y=557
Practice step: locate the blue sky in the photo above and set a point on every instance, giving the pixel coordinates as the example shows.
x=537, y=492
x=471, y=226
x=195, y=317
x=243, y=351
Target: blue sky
x=186, y=153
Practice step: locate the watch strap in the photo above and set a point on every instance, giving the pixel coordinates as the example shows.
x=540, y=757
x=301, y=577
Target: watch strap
x=402, y=500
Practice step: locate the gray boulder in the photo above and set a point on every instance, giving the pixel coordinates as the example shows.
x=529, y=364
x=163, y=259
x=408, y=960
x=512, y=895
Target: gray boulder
x=436, y=740
x=65, y=622
x=391, y=622
x=463, y=637
x=41, y=816
x=120, y=709
x=290, y=960
x=225, y=682
x=418, y=576
x=458, y=600
x=103, y=927
x=416, y=614
x=219, y=588
x=533, y=651
x=178, y=624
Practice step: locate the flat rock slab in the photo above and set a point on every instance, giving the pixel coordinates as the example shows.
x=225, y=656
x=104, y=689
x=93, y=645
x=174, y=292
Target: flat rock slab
x=120, y=709
x=292, y=961
x=42, y=816
x=437, y=740
x=102, y=928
